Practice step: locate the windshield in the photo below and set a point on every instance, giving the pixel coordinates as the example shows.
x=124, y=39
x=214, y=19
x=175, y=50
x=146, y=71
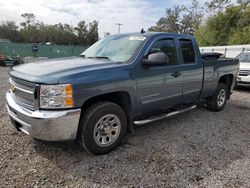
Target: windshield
x=116, y=48
x=245, y=57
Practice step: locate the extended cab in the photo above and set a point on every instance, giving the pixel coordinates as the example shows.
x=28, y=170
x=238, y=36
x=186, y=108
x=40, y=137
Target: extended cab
x=120, y=81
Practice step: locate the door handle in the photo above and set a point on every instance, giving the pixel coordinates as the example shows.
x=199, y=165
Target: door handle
x=176, y=74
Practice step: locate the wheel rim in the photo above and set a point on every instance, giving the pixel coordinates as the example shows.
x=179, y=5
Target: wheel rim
x=107, y=130
x=221, y=98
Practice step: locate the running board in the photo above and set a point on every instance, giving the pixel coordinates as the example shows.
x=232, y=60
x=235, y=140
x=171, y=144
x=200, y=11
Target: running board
x=152, y=119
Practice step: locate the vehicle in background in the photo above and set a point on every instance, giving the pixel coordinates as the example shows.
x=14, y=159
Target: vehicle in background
x=42, y=43
x=50, y=43
x=2, y=57
x=9, y=60
x=120, y=81
x=47, y=43
x=244, y=73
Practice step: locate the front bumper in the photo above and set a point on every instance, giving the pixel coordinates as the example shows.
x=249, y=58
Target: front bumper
x=45, y=125
x=243, y=81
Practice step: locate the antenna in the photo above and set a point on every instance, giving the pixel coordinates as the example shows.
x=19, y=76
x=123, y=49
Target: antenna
x=142, y=31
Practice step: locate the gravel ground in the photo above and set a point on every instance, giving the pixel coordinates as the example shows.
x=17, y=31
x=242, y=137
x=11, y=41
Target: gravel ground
x=195, y=149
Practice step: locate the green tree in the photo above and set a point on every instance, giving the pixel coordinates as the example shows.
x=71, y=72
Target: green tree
x=87, y=33
x=171, y=21
x=196, y=14
x=241, y=36
x=34, y=31
x=217, y=5
x=228, y=27
x=180, y=19
x=81, y=31
x=29, y=19
x=92, y=34
x=243, y=3
x=9, y=30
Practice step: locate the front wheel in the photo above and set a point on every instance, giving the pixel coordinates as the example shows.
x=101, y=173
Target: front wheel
x=2, y=64
x=103, y=127
x=218, y=100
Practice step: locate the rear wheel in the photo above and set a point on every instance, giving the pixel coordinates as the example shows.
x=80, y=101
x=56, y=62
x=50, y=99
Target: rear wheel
x=103, y=127
x=218, y=100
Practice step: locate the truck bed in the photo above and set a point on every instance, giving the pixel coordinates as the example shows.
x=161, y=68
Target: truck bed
x=214, y=69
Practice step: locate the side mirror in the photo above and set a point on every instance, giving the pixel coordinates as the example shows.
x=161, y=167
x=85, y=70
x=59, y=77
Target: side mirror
x=158, y=58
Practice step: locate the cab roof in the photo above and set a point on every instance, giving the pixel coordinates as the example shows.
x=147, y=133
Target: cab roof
x=150, y=34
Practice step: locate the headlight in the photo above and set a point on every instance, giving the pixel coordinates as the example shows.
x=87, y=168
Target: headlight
x=56, y=96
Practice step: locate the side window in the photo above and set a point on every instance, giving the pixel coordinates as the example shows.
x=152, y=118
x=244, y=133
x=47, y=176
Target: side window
x=166, y=46
x=187, y=51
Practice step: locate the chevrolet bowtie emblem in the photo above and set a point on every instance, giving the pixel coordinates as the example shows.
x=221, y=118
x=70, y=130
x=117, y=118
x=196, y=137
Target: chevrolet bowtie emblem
x=13, y=88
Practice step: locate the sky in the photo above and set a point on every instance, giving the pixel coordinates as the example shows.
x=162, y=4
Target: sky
x=133, y=14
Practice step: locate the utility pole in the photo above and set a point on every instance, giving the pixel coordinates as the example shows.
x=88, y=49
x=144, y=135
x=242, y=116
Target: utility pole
x=119, y=27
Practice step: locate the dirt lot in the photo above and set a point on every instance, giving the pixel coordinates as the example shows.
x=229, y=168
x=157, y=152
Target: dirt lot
x=196, y=149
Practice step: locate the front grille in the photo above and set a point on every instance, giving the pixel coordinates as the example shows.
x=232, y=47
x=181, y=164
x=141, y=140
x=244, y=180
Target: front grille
x=244, y=72
x=23, y=92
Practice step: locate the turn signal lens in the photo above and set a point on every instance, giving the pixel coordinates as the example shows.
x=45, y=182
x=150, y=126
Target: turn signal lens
x=69, y=102
x=68, y=90
x=68, y=96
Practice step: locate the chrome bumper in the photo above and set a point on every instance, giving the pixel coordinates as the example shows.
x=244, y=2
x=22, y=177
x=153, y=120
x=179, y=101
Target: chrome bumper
x=44, y=125
x=243, y=81
x=245, y=84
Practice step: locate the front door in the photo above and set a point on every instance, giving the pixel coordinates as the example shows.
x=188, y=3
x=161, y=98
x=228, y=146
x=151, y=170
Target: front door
x=159, y=86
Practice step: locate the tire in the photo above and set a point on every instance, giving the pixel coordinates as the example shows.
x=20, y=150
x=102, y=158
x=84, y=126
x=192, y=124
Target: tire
x=103, y=127
x=16, y=63
x=2, y=64
x=217, y=102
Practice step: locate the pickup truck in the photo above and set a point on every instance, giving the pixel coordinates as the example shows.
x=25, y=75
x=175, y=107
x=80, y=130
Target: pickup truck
x=243, y=79
x=119, y=82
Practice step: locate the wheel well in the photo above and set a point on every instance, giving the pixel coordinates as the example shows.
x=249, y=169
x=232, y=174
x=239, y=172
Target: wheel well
x=227, y=80
x=120, y=98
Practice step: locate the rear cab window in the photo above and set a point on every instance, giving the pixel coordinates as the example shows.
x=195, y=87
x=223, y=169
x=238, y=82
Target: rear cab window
x=187, y=50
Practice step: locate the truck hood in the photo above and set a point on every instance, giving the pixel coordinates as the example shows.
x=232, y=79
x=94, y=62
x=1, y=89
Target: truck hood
x=244, y=65
x=50, y=71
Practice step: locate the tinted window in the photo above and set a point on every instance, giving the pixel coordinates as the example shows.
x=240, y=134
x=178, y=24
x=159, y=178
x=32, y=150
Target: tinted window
x=166, y=46
x=187, y=51
x=244, y=57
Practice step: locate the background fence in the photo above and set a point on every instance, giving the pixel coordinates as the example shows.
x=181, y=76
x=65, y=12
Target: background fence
x=53, y=51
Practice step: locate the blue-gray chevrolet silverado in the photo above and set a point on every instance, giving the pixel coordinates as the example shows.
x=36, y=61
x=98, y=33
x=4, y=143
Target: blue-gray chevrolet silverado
x=120, y=81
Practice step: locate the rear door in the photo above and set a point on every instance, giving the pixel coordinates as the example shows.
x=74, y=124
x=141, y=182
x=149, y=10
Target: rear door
x=192, y=73
x=159, y=86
